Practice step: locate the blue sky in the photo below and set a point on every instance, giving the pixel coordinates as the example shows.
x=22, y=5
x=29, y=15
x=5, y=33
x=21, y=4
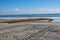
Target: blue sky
x=29, y=6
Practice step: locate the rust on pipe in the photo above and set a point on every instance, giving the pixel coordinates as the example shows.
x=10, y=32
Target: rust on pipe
x=26, y=20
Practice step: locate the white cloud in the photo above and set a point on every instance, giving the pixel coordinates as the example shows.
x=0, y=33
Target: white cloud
x=16, y=9
x=40, y=10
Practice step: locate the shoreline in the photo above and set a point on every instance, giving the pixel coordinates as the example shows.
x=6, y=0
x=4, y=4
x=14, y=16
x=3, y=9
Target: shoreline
x=56, y=19
x=26, y=20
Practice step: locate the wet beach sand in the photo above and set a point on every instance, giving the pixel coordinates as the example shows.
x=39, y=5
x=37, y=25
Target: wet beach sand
x=30, y=31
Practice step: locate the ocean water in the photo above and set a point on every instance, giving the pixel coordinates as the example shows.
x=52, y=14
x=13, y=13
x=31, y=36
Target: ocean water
x=56, y=16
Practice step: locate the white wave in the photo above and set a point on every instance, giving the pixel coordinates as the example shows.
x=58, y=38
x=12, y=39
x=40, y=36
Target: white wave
x=56, y=19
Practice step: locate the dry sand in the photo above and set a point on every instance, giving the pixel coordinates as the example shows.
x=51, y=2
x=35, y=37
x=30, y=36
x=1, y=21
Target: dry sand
x=30, y=31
